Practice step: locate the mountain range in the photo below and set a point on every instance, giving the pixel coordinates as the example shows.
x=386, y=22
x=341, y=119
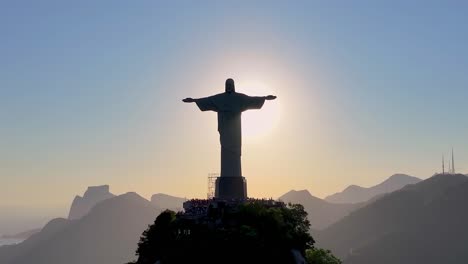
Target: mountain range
x=420, y=223
x=423, y=222
x=320, y=212
x=109, y=233
x=358, y=194
x=324, y=212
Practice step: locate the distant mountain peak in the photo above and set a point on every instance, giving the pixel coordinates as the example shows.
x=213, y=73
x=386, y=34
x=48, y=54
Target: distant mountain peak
x=127, y=200
x=321, y=213
x=93, y=195
x=131, y=196
x=440, y=180
x=353, y=187
x=358, y=194
x=400, y=176
x=166, y=201
x=163, y=194
x=109, y=233
x=296, y=195
x=96, y=190
x=304, y=193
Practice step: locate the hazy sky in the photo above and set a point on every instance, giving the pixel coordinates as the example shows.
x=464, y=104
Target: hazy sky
x=90, y=93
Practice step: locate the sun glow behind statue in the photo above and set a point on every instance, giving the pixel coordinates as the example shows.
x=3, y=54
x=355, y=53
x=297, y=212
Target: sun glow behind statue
x=257, y=124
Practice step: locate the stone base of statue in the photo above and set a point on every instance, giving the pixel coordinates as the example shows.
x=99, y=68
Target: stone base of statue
x=231, y=188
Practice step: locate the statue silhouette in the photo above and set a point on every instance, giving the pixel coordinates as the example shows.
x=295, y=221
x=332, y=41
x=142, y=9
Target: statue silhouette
x=229, y=106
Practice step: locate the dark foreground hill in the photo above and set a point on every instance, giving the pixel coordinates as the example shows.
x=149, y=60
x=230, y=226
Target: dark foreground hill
x=321, y=213
x=108, y=234
x=211, y=231
x=358, y=194
x=421, y=223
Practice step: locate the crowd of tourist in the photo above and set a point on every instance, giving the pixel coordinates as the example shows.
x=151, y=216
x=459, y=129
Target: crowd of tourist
x=196, y=207
x=201, y=207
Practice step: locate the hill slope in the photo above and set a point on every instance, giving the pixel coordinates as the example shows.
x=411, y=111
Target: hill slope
x=321, y=213
x=108, y=234
x=165, y=201
x=10, y=252
x=358, y=194
x=421, y=223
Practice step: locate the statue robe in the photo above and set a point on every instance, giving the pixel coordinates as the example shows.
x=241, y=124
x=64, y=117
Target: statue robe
x=229, y=107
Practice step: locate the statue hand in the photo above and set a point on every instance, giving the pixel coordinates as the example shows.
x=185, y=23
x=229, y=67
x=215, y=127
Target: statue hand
x=270, y=97
x=188, y=100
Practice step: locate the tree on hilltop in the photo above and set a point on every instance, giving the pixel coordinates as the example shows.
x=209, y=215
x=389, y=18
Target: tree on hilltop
x=251, y=233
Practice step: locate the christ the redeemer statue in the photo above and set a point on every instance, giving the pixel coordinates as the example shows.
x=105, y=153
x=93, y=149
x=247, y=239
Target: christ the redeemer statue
x=229, y=106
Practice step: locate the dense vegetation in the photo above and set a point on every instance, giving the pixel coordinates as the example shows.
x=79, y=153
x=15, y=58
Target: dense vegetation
x=253, y=233
x=320, y=256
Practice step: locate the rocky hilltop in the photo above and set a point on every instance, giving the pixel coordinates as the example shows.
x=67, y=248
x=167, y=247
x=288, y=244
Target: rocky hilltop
x=93, y=195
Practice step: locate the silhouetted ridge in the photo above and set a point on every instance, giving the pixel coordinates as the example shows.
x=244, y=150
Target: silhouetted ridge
x=93, y=195
x=358, y=194
x=11, y=252
x=22, y=235
x=108, y=234
x=321, y=213
x=165, y=201
x=54, y=225
x=301, y=194
x=354, y=188
x=420, y=223
x=126, y=199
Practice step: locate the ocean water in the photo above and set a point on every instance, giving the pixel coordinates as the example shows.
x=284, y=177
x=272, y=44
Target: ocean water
x=9, y=241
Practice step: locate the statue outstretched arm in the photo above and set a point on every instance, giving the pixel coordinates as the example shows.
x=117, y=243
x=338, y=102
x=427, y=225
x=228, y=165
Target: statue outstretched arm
x=255, y=102
x=189, y=100
x=204, y=104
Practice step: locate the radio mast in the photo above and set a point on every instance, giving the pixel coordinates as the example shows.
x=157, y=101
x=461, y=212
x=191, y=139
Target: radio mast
x=453, y=163
x=443, y=165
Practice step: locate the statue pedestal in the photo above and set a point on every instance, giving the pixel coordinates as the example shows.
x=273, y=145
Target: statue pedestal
x=231, y=188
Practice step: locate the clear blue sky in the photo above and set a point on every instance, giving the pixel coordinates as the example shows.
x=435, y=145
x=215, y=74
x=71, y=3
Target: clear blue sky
x=90, y=93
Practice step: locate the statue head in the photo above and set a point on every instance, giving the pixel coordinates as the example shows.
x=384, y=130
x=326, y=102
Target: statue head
x=230, y=87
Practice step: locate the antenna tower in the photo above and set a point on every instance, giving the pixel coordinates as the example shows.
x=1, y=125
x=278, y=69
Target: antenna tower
x=443, y=165
x=453, y=163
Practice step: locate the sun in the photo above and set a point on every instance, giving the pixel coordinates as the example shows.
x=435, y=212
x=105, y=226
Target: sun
x=258, y=123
